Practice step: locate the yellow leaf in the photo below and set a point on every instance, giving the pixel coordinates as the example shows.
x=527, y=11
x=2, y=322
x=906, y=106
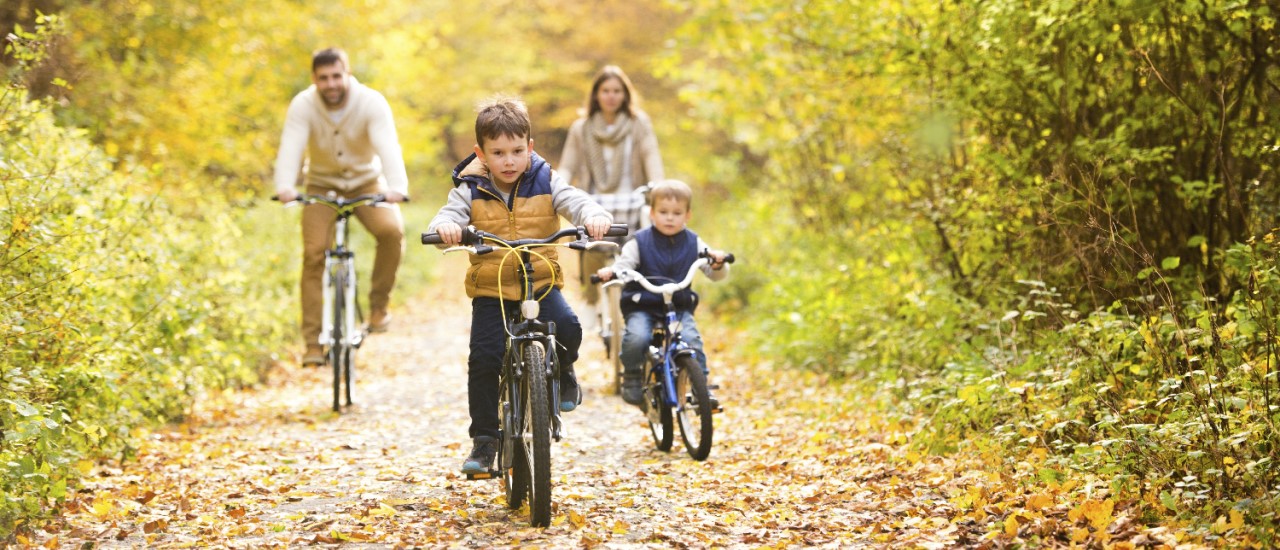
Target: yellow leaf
x=102, y=507
x=1038, y=502
x=1011, y=525
x=1080, y=535
x=620, y=527
x=577, y=519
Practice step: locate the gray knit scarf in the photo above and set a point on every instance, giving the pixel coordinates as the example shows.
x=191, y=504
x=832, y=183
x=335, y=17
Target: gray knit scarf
x=606, y=179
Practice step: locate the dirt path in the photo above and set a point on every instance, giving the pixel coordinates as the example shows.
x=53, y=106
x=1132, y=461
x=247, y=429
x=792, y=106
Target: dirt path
x=794, y=464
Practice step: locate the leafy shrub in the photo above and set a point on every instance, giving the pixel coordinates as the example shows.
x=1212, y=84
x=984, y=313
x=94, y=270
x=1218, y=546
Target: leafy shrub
x=119, y=309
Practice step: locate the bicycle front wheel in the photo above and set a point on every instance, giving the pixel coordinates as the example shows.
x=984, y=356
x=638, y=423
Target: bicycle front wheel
x=657, y=410
x=694, y=407
x=338, y=351
x=537, y=420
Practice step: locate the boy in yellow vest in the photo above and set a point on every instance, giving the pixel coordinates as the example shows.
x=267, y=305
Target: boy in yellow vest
x=508, y=190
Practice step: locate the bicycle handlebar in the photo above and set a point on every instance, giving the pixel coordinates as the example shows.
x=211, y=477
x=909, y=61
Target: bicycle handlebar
x=629, y=276
x=475, y=238
x=339, y=202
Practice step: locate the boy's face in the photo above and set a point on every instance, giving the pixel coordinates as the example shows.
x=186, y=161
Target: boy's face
x=507, y=158
x=669, y=215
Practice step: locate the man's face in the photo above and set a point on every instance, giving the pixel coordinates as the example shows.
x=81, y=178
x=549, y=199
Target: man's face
x=331, y=82
x=669, y=215
x=507, y=158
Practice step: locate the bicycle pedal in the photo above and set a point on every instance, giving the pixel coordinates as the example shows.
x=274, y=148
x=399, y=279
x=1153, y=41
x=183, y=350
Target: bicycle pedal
x=483, y=475
x=717, y=410
x=713, y=386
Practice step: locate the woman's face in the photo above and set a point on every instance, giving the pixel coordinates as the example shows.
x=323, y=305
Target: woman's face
x=610, y=96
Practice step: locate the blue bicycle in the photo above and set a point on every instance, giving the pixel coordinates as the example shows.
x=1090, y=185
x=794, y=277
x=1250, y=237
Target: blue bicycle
x=675, y=385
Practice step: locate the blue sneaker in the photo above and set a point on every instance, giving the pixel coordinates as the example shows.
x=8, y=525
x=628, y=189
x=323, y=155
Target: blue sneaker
x=483, y=450
x=570, y=396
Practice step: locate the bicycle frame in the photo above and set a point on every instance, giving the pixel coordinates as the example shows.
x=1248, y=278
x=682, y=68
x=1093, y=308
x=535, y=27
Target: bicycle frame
x=340, y=315
x=338, y=259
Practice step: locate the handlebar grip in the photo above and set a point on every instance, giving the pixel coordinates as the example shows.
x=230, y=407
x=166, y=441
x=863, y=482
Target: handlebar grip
x=618, y=230
x=728, y=258
x=431, y=238
x=595, y=279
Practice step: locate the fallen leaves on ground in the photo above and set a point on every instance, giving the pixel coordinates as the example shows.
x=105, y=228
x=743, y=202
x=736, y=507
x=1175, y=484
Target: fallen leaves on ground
x=798, y=461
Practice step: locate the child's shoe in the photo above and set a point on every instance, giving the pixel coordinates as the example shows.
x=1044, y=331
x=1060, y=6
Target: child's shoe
x=483, y=450
x=632, y=389
x=570, y=393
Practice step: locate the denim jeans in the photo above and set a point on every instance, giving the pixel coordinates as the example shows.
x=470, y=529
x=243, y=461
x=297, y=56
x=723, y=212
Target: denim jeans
x=639, y=333
x=488, y=343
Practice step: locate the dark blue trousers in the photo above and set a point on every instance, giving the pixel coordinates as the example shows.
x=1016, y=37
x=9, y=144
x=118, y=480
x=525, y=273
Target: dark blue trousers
x=488, y=343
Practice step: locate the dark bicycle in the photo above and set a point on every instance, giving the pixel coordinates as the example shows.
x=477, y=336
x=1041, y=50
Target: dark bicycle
x=342, y=321
x=529, y=381
x=674, y=384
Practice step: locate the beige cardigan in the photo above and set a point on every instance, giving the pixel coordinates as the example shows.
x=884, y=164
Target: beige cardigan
x=646, y=161
x=360, y=147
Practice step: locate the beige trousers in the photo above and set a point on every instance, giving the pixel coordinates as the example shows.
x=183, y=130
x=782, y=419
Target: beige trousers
x=386, y=225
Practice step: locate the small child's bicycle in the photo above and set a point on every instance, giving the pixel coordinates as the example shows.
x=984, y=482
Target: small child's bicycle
x=341, y=327
x=674, y=383
x=529, y=382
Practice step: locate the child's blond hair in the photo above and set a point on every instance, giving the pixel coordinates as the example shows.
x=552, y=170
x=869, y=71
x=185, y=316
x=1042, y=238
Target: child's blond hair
x=670, y=189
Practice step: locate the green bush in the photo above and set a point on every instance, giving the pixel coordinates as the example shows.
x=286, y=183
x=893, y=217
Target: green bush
x=119, y=309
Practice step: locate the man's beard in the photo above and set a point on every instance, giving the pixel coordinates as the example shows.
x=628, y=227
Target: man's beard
x=342, y=96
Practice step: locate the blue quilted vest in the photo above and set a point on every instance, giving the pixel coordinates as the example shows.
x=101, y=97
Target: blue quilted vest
x=663, y=259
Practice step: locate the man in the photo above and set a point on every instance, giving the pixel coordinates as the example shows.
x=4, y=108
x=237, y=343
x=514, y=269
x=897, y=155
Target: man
x=348, y=136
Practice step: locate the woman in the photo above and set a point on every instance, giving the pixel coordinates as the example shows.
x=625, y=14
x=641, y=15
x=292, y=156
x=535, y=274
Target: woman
x=610, y=153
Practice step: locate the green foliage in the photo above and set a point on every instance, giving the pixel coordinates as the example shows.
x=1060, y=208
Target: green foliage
x=1022, y=219
x=115, y=314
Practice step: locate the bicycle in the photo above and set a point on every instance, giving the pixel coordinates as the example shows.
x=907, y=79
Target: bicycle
x=674, y=385
x=341, y=319
x=608, y=315
x=529, y=381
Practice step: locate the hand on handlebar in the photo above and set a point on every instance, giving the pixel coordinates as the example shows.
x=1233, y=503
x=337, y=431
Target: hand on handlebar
x=604, y=274
x=288, y=196
x=598, y=226
x=717, y=258
x=450, y=233
x=395, y=196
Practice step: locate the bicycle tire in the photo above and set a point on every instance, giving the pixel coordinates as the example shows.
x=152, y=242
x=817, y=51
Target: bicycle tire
x=336, y=348
x=696, y=428
x=616, y=325
x=352, y=330
x=658, y=411
x=538, y=421
x=515, y=471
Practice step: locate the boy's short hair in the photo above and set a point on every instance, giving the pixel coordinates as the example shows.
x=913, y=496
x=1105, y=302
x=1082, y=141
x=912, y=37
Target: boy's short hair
x=329, y=56
x=501, y=116
x=670, y=189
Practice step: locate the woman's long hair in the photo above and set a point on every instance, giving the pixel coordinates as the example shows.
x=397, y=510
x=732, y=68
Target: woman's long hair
x=630, y=101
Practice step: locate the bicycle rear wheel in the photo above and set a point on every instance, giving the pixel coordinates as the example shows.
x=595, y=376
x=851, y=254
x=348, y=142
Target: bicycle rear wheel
x=657, y=410
x=537, y=420
x=694, y=408
x=614, y=324
x=511, y=455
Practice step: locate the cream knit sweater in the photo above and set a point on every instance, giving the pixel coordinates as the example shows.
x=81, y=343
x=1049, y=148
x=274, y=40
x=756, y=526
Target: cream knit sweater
x=360, y=147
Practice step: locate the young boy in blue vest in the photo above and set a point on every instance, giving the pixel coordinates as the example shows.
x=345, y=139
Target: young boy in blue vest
x=666, y=249
x=506, y=189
